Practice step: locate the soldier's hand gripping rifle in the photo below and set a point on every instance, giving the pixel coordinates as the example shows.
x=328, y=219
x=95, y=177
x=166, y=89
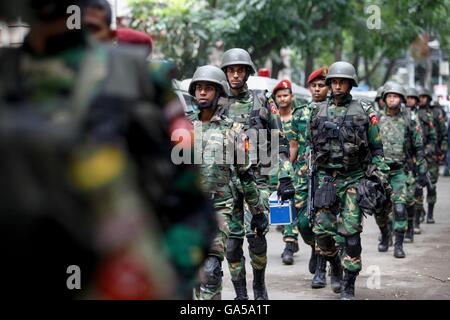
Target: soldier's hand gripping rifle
x=311, y=189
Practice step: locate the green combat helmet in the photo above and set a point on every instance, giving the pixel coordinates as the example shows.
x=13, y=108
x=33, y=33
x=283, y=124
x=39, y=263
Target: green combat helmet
x=237, y=56
x=393, y=87
x=342, y=69
x=424, y=92
x=210, y=74
x=412, y=92
x=379, y=93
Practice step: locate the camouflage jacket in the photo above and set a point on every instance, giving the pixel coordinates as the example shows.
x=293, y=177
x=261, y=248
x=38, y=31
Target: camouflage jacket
x=429, y=132
x=257, y=111
x=100, y=106
x=402, y=140
x=440, y=123
x=224, y=148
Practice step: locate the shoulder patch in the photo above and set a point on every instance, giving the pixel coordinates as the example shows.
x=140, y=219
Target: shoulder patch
x=374, y=119
x=274, y=109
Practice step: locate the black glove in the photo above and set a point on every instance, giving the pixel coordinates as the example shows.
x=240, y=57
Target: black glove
x=422, y=180
x=286, y=189
x=260, y=223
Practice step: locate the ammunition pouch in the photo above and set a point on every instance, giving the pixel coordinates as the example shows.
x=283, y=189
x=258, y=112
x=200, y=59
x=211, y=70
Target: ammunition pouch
x=325, y=196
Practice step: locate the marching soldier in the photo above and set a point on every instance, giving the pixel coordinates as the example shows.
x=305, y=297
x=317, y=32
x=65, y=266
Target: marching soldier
x=256, y=112
x=219, y=135
x=345, y=141
x=440, y=147
x=402, y=145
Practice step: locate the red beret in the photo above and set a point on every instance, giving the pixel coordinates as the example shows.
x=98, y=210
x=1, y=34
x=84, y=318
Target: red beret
x=320, y=73
x=130, y=36
x=282, y=85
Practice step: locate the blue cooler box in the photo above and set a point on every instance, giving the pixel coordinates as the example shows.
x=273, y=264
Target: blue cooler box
x=280, y=213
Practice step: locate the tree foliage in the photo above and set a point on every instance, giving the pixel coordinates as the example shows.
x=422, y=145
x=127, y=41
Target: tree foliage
x=318, y=32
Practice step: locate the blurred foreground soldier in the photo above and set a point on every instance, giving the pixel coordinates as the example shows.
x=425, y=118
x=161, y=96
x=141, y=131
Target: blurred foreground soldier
x=379, y=103
x=292, y=114
x=440, y=148
x=256, y=112
x=219, y=136
x=347, y=149
x=402, y=144
x=98, y=19
x=86, y=167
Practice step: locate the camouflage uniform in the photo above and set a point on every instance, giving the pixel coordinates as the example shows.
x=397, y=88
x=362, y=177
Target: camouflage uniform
x=348, y=221
x=440, y=124
x=429, y=142
x=295, y=129
x=432, y=152
x=345, y=139
x=123, y=138
x=219, y=134
x=240, y=110
x=398, y=152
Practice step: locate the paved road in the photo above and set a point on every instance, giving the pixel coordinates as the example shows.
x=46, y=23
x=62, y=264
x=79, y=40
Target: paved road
x=423, y=274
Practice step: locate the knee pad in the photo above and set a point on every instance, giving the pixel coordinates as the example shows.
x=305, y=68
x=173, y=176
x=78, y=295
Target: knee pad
x=353, y=248
x=213, y=271
x=257, y=245
x=234, y=249
x=400, y=211
x=325, y=243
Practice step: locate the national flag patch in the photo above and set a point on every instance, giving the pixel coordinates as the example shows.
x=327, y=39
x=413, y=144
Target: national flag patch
x=374, y=120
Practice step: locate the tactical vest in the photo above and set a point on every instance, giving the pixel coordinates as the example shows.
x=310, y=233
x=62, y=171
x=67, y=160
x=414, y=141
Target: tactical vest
x=343, y=141
x=252, y=114
x=396, y=133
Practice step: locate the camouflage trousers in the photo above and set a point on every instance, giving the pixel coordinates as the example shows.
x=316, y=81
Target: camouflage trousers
x=223, y=206
x=342, y=218
x=239, y=228
x=301, y=225
x=398, y=180
x=412, y=197
x=433, y=167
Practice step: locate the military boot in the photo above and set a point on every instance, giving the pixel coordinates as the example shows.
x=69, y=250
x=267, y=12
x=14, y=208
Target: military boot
x=240, y=287
x=312, y=261
x=384, y=241
x=348, y=285
x=417, y=222
x=422, y=215
x=320, y=278
x=336, y=273
x=391, y=232
x=398, y=245
x=259, y=286
x=430, y=213
x=409, y=235
x=288, y=254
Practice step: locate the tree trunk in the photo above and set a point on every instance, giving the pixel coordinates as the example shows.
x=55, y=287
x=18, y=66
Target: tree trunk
x=389, y=69
x=309, y=65
x=338, y=51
